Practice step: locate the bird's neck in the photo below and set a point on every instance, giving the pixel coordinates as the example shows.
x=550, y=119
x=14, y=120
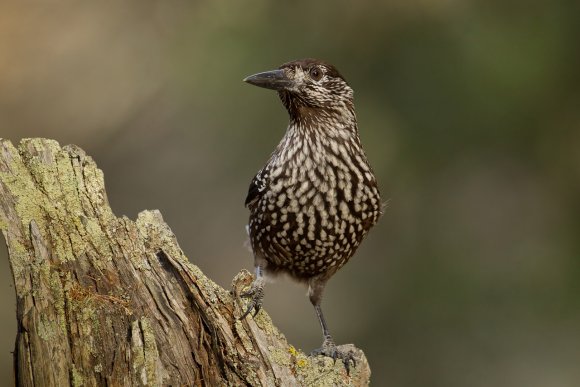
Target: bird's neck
x=323, y=123
x=314, y=134
x=342, y=115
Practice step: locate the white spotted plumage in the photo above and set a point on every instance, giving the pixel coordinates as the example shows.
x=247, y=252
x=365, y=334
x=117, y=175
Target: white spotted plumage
x=316, y=187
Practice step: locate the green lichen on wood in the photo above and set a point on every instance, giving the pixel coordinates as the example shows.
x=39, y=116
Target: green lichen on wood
x=77, y=379
x=28, y=202
x=66, y=187
x=19, y=258
x=280, y=356
x=145, y=355
x=46, y=328
x=99, y=240
x=58, y=295
x=77, y=246
x=45, y=185
x=138, y=354
x=150, y=350
x=47, y=291
x=243, y=335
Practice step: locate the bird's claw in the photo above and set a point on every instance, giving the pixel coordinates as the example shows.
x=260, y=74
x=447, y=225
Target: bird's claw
x=330, y=349
x=256, y=294
x=255, y=304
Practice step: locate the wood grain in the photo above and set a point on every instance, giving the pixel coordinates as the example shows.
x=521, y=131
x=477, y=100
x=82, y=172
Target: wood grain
x=104, y=300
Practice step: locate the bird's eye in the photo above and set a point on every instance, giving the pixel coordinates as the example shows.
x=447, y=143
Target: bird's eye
x=315, y=73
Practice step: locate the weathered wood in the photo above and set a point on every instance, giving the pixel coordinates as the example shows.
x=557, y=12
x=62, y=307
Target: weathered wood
x=103, y=300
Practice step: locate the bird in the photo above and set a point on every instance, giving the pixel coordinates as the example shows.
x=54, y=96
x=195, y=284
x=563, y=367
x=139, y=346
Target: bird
x=316, y=197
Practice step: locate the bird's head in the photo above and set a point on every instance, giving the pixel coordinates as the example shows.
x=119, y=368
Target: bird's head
x=306, y=85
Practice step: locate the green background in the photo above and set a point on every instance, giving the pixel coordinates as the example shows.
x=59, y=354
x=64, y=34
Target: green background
x=469, y=112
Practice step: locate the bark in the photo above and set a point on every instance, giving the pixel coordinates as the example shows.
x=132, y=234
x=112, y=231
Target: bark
x=103, y=300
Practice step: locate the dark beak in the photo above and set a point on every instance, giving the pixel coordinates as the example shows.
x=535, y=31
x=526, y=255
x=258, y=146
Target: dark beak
x=275, y=80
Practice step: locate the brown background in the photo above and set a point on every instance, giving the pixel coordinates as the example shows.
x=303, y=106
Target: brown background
x=469, y=112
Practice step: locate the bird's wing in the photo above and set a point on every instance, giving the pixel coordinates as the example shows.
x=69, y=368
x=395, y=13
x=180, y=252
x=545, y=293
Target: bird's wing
x=257, y=187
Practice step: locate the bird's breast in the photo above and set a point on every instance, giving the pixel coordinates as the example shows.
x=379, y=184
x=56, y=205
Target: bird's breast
x=315, y=211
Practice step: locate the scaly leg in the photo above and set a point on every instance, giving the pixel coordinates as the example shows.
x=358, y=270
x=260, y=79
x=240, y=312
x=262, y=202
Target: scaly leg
x=256, y=293
x=328, y=346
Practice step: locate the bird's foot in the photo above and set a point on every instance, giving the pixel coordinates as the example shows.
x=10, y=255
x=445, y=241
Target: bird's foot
x=255, y=294
x=330, y=349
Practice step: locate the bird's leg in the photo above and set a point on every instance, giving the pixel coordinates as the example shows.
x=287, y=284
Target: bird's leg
x=256, y=293
x=328, y=346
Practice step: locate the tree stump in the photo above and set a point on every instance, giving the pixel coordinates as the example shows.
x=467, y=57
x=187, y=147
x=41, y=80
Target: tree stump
x=103, y=300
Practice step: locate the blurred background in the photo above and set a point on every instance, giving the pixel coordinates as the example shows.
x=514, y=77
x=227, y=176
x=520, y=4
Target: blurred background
x=468, y=110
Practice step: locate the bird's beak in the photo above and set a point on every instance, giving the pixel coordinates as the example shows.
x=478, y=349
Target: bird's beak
x=275, y=80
